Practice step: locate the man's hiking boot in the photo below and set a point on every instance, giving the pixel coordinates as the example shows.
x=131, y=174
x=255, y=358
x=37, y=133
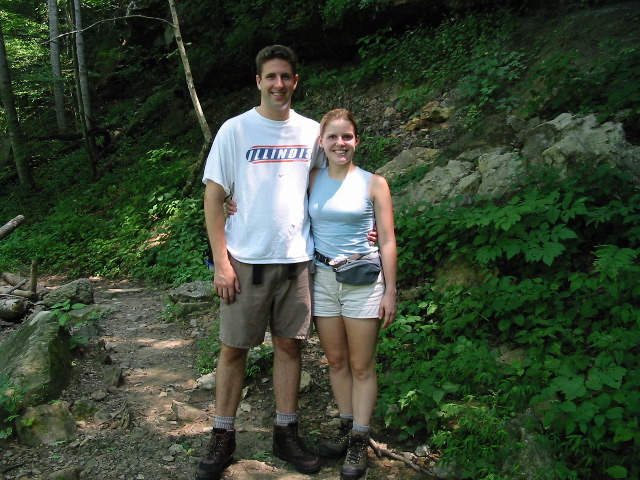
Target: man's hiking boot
x=219, y=456
x=355, y=465
x=288, y=446
x=337, y=446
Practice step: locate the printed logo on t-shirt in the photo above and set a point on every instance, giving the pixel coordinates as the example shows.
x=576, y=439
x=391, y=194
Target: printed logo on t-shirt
x=277, y=154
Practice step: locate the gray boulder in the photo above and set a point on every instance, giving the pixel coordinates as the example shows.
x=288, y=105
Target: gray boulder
x=454, y=179
x=78, y=291
x=406, y=161
x=46, y=424
x=570, y=140
x=36, y=359
x=193, y=292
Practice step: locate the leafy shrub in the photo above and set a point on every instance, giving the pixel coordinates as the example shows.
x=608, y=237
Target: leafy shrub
x=10, y=398
x=61, y=312
x=489, y=75
x=374, y=151
x=133, y=222
x=568, y=81
x=560, y=262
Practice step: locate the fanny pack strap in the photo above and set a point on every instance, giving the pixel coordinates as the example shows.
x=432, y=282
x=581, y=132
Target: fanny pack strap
x=330, y=262
x=355, y=256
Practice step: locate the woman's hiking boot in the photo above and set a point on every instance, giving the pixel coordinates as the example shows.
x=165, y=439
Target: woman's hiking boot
x=288, y=446
x=355, y=464
x=337, y=446
x=219, y=456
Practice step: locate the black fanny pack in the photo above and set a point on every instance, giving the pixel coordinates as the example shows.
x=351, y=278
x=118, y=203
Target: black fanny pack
x=355, y=270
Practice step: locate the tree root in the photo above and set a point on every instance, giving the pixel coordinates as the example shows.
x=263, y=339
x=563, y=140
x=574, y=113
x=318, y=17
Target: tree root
x=8, y=468
x=382, y=450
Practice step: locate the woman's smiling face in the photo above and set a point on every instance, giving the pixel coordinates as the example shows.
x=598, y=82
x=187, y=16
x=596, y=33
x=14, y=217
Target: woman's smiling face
x=339, y=141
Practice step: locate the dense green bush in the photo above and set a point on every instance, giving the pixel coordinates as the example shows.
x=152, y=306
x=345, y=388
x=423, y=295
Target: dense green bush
x=550, y=335
x=568, y=81
x=134, y=222
x=10, y=397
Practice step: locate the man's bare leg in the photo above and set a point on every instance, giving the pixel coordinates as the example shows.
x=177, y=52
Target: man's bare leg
x=230, y=373
x=287, y=366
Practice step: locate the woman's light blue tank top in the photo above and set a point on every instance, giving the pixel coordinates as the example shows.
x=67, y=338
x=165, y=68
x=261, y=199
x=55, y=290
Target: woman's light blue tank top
x=342, y=214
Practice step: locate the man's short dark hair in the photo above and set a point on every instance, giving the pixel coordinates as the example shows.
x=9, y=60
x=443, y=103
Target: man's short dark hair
x=276, y=51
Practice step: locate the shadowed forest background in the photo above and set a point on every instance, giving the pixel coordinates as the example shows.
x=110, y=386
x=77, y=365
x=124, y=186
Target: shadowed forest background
x=107, y=175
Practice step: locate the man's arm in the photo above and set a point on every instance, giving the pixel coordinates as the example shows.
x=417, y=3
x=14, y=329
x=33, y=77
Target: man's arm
x=225, y=280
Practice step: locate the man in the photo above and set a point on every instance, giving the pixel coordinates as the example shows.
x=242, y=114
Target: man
x=262, y=255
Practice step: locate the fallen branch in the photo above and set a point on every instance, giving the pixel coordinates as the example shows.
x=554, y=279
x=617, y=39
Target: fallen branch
x=18, y=293
x=11, y=225
x=8, y=468
x=382, y=451
x=36, y=291
x=16, y=287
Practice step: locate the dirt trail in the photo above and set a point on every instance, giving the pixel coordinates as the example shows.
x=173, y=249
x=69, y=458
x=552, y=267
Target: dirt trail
x=156, y=424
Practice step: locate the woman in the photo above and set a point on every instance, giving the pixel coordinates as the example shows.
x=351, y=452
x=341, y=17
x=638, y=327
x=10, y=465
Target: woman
x=345, y=202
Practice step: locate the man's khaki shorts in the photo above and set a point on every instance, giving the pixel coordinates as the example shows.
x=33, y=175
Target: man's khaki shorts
x=282, y=301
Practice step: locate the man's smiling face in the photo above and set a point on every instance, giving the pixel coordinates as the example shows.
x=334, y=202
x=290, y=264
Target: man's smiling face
x=276, y=84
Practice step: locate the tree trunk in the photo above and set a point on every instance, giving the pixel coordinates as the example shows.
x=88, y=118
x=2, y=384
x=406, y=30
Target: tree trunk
x=206, y=131
x=5, y=151
x=13, y=124
x=82, y=87
x=83, y=75
x=204, y=126
x=56, y=69
x=196, y=171
x=10, y=226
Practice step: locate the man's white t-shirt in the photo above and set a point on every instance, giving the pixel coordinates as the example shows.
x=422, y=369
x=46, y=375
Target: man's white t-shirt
x=266, y=164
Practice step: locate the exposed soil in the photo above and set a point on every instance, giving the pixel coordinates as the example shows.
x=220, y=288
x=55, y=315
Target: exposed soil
x=156, y=424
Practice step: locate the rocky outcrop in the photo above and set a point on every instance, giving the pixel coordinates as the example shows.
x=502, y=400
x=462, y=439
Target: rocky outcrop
x=491, y=165
x=570, y=140
x=407, y=161
x=193, y=296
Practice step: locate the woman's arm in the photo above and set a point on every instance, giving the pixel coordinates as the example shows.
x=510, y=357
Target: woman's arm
x=383, y=208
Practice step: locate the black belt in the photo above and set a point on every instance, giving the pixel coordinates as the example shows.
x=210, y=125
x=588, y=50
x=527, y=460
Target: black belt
x=323, y=259
x=292, y=272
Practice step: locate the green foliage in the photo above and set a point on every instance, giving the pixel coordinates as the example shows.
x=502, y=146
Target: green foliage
x=568, y=81
x=489, y=75
x=27, y=59
x=552, y=328
x=468, y=51
x=436, y=58
x=62, y=313
x=209, y=350
x=374, y=151
x=10, y=397
x=134, y=222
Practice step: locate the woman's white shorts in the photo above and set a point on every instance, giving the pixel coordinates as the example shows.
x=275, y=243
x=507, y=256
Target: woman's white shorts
x=332, y=298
